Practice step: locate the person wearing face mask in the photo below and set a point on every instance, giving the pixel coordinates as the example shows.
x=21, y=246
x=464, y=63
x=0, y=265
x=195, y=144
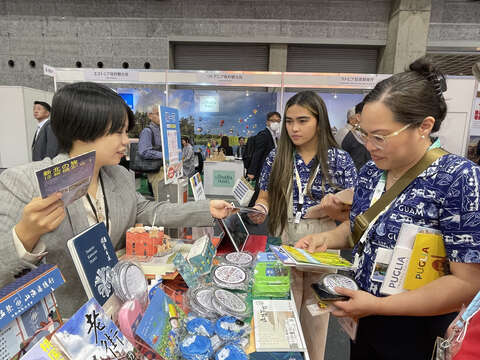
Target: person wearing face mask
x=399, y=116
x=265, y=141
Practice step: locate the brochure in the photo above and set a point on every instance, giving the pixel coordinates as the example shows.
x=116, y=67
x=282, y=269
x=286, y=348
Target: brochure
x=302, y=258
x=276, y=326
x=71, y=177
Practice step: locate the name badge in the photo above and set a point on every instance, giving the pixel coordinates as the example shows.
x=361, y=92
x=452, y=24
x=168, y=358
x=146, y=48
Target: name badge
x=298, y=215
x=382, y=260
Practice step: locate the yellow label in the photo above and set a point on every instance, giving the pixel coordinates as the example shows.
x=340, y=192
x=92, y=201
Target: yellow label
x=428, y=261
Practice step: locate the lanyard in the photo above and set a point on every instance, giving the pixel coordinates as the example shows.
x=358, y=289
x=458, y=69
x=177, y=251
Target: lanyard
x=302, y=192
x=104, y=200
x=379, y=189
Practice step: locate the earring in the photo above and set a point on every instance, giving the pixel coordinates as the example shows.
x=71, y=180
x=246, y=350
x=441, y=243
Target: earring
x=423, y=136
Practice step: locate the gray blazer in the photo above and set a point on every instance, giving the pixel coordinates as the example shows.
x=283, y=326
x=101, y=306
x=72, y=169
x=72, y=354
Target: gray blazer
x=126, y=207
x=46, y=143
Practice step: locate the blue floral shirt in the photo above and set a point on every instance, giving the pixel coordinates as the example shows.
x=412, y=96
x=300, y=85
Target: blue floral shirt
x=446, y=197
x=341, y=169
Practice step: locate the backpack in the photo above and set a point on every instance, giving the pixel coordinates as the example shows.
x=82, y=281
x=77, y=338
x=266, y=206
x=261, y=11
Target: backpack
x=137, y=163
x=249, y=151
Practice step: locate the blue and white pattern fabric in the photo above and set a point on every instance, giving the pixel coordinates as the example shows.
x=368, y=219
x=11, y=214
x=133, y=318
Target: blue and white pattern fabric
x=446, y=196
x=341, y=169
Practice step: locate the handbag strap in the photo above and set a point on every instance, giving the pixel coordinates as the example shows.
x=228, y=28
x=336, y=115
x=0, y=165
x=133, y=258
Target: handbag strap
x=363, y=220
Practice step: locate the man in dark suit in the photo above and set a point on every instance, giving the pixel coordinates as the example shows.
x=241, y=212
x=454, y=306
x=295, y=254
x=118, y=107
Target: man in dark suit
x=44, y=143
x=265, y=141
x=241, y=147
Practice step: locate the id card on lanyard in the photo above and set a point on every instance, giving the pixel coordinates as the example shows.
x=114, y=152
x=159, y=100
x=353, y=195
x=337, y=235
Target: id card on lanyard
x=302, y=192
x=379, y=189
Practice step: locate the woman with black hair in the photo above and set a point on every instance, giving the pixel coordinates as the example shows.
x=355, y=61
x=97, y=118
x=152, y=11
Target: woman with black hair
x=398, y=117
x=85, y=117
x=225, y=146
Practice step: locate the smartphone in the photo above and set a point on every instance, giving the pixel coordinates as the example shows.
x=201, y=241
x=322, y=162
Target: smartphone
x=324, y=295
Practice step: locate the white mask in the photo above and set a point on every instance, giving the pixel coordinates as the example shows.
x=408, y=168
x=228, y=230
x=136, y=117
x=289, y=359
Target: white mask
x=275, y=126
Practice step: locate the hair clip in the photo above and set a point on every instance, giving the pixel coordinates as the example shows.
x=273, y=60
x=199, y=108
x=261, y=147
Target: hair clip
x=439, y=83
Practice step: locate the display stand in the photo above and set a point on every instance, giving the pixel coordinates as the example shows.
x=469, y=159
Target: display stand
x=220, y=176
x=460, y=95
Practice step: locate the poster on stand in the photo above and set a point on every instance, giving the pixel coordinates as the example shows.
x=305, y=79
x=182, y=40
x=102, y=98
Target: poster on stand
x=171, y=143
x=197, y=187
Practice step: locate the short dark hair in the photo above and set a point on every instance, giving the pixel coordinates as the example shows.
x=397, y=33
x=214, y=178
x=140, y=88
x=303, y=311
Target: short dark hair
x=240, y=138
x=359, y=107
x=413, y=95
x=186, y=139
x=87, y=111
x=271, y=113
x=44, y=104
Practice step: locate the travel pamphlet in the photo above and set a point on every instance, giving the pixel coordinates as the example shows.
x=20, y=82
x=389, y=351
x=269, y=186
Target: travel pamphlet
x=300, y=258
x=70, y=177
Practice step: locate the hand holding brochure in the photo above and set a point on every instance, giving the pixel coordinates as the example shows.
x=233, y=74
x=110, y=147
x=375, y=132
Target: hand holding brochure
x=71, y=177
x=302, y=258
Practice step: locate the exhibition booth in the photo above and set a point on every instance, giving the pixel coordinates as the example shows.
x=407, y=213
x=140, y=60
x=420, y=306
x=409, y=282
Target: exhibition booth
x=238, y=290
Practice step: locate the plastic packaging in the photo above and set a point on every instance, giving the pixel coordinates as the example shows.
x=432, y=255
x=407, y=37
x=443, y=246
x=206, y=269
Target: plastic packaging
x=200, y=301
x=129, y=283
x=200, y=326
x=230, y=328
x=196, y=347
x=227, y=303
x=231, y=277
x=240, y=258
x=231, y=352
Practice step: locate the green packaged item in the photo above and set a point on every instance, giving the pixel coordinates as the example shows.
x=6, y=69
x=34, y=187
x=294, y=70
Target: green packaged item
x=271, y=279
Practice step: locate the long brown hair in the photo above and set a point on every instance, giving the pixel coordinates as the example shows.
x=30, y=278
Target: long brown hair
x=280, y=184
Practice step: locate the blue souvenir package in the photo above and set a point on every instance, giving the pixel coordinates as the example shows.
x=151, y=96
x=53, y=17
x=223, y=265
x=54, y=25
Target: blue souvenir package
x=200, y=326
x=196, y=347
x=231, y=352
x=230, y=328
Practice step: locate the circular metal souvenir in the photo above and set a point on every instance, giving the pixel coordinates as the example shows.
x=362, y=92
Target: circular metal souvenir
x=203, y=297
x=129, y=281
x=135, y=283
x=229, y=301
x=230, y=274
x=330, y=281
x=239, y=258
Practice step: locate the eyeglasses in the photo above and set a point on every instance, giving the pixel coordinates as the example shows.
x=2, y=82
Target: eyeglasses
x=378, y=141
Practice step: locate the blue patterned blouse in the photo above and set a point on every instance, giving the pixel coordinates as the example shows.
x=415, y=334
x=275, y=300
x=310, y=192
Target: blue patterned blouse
x=342, y=172
x=446, y=197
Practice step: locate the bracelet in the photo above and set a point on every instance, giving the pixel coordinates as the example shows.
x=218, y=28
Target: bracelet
x=263, y=206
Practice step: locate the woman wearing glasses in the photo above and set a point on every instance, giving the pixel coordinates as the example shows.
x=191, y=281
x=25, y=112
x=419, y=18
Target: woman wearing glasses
x=302, y=171
x=399, y=115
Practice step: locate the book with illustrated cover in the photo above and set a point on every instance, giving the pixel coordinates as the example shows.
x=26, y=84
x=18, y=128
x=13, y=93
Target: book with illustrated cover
x=91, y=335
x=303, y=258
x=71, y=177
x=28, y=310
x=44, y=350
x=94, y=257
x=161, y=324
x=276, y=326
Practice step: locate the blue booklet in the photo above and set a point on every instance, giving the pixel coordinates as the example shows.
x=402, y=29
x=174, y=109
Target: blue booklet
x=71, y=177
x=94, y=257
x=91, y=335
x=161, y=324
